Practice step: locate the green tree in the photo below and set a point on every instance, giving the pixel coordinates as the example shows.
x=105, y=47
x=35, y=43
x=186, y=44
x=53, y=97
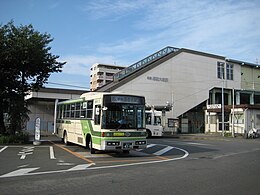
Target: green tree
x=25, y=65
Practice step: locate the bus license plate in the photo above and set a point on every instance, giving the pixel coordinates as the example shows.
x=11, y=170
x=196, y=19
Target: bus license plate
x=127, y=145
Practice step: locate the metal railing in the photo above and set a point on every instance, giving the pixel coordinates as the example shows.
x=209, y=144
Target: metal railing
x=144, y=62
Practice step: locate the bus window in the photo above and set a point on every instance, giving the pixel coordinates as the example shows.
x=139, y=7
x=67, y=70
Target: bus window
x=140, y=118
x=83, y=107
x=148, y=118
x=63, y=111
x=72, y=114
x=89, y=109
x=77, y=110
x=59, y=112
x=157, y=120
x=67, y=111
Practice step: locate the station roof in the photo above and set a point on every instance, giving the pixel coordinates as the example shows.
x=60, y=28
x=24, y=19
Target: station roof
x=155, y=59
x=54, y=93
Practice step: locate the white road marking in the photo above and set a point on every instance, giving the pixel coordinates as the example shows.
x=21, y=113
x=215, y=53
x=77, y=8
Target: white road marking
x=27, y=150
x=3, y=148
x=52, y=156
x=23, y=155
x=186, y=154
x=19, y=172
x=161, y=152
x=81, y=167
x=150, y=145
x=22, y=166
x=26, y=171
x=195, y=143
x=88, y=155
x=66, y=164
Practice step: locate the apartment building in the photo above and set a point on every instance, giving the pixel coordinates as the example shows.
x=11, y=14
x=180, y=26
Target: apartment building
x=101, y=74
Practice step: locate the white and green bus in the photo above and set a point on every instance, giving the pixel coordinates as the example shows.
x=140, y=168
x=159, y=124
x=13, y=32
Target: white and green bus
x=103, y=121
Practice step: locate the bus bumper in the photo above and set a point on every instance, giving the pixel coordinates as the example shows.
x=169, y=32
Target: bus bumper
x=124, y=145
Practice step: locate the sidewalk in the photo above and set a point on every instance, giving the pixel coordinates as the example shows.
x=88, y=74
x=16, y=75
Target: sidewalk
x=197, y=136
x=46, y=137
x=202, y=136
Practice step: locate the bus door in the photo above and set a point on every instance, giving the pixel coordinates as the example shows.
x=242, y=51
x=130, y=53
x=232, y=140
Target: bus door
x=97, y=117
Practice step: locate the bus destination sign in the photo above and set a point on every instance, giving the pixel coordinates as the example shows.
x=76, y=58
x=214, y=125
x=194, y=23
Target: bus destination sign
x=126, y=99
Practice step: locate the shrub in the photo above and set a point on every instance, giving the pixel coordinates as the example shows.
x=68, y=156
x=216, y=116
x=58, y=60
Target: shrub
x=18, y=138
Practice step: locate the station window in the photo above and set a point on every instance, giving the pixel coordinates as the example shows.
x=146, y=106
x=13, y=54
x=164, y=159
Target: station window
x=229, y=70
x=220, y=70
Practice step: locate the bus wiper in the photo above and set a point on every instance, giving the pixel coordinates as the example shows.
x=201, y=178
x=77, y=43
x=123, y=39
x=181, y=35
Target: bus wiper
x=118, y=127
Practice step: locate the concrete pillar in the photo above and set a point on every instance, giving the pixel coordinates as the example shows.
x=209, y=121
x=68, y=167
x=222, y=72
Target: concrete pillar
x=229, y=97
x=237, y=98
x=55, y=115
x=252, y=98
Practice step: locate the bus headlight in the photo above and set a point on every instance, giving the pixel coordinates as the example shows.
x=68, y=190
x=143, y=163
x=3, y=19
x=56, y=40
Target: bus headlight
x=111, y=143
x=140, y=142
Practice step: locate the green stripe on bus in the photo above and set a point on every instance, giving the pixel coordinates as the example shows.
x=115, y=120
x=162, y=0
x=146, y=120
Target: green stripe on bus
x=125, y=134
x=87, y=128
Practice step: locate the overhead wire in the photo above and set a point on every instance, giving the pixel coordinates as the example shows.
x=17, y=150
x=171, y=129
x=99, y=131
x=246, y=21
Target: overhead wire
x=68, y=85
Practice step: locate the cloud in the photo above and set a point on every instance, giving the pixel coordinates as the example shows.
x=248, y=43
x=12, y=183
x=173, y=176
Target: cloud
x=229, y=28
x=113, y=9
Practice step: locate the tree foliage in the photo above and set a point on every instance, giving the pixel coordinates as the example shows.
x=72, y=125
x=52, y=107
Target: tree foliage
x=25, y=65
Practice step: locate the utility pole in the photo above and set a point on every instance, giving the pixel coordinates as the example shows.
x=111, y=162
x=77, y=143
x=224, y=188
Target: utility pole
x=233, y=113
x=222, y=106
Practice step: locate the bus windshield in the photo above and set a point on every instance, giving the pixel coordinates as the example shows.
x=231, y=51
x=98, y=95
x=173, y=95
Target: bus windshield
x=123, y=116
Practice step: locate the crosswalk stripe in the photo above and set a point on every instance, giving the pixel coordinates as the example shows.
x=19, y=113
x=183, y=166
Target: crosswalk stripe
x=161, y=152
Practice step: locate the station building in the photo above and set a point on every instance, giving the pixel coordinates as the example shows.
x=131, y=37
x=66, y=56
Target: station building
x=42, y=103
x=193, y=82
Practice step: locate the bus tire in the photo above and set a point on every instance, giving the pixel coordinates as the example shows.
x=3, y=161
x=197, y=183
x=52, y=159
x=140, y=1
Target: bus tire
x=126, y=151
x=148, y=133
x=65, y=139
x=90, y=146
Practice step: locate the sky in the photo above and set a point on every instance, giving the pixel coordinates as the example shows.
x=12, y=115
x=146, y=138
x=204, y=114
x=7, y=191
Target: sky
x=123, y=32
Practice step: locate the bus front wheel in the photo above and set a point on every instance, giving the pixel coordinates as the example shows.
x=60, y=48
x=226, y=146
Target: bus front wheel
x=90, y=146
x=148, y=133
x=65, y=139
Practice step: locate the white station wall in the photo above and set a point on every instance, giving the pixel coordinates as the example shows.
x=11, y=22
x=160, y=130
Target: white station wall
x=184, y=80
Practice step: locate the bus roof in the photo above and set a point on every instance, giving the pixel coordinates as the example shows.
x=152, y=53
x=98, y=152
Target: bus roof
x=94, y=95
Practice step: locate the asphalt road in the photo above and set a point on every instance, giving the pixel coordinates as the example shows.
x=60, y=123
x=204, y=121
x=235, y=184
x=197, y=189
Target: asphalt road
x=168, y=166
